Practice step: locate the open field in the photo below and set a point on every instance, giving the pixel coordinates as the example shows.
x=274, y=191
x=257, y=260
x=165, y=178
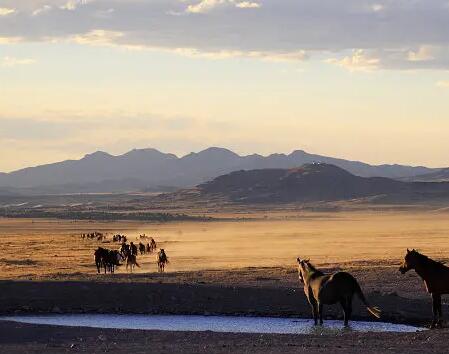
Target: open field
x=224, y=267
x=45, y=248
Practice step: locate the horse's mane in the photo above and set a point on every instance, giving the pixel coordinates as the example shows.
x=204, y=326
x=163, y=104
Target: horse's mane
x=314, y=269
x=431, y=262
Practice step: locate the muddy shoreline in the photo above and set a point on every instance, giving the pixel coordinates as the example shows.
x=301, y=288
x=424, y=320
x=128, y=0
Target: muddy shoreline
x=245, y=292
x=21, y=297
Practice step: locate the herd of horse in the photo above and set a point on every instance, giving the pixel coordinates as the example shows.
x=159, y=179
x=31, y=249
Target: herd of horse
x=99, y=236
x=108, y=260
x=339, y=288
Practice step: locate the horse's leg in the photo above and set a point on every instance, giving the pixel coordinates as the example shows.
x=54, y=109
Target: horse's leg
x=314, y=313
x=344, y=306
x=348, y=310
x=440, y=312
x=320, y=312
x=436, y=302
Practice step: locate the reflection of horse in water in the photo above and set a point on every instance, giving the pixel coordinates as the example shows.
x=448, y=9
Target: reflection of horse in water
x=435, y=276
x=327, y=289
x=162, y=260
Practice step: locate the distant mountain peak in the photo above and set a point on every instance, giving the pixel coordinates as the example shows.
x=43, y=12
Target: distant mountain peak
x=213, y=152
x=298, y=153
x=97, y=154
x=217, y=150
x=147, y=152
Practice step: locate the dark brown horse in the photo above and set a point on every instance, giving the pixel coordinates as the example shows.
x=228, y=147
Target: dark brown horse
x=328, y=289
x=162, y=260
x=435, y=276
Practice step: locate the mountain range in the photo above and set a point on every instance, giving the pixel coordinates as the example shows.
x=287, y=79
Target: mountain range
x=151, y=170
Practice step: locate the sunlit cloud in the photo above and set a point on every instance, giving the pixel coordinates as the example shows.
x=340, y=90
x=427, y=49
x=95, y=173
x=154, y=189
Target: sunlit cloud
x=357, y=61
x=424, y=53
x=11, y=62
x=41, y=10
x=377, y=7
x=10, y=40
x=5, y=11
x=443, y=84
x=98, y=37
x=73, y=4
x=205, y=6
x=247, y=5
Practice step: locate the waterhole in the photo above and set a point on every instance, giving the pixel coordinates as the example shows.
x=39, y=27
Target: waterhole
x=231, y=324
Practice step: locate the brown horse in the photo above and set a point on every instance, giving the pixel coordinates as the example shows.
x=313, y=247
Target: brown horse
x=131, y=262
x=321, y=289
x=435, y=276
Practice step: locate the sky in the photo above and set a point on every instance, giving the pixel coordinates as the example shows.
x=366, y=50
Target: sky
x=358, y=79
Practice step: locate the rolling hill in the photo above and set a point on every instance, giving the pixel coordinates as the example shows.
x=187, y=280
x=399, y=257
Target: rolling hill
x=437, y=176
x=314, y=182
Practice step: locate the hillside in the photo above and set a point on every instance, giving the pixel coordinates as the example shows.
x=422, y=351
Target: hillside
x=438, y=176
x=314, y=182
x=150, y=169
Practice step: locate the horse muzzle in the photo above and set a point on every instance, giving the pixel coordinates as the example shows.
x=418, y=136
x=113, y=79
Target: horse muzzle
x=403, y=269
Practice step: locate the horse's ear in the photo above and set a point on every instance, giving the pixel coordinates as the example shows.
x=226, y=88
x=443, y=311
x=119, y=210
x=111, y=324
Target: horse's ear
x=298, y=260
x=408, y=251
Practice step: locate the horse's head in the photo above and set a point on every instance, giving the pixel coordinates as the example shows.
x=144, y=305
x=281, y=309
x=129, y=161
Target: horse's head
x=411, y=259
x=302, y=268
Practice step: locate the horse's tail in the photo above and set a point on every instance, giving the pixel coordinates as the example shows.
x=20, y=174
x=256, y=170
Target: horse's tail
x=373, y=310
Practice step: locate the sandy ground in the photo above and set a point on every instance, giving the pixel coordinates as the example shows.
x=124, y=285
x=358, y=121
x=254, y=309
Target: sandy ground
x=244, y=268
x=45, y=248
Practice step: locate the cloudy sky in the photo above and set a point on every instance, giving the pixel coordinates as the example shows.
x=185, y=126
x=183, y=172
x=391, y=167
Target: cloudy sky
x=358, y=79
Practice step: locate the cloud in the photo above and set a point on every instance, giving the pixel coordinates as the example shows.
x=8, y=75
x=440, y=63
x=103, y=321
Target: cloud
x=10, y=61
x=41, y=10
x=205, y=6
x=247, y=5
x=5, y=11
x=357, y=61
x=73, y=4
x=98, y=37
x=355, y=34
x=10, y=40
x=443, y=84
x=424, y=53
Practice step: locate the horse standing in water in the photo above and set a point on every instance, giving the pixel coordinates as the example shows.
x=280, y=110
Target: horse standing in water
x=435, y=276
x=321, y=289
